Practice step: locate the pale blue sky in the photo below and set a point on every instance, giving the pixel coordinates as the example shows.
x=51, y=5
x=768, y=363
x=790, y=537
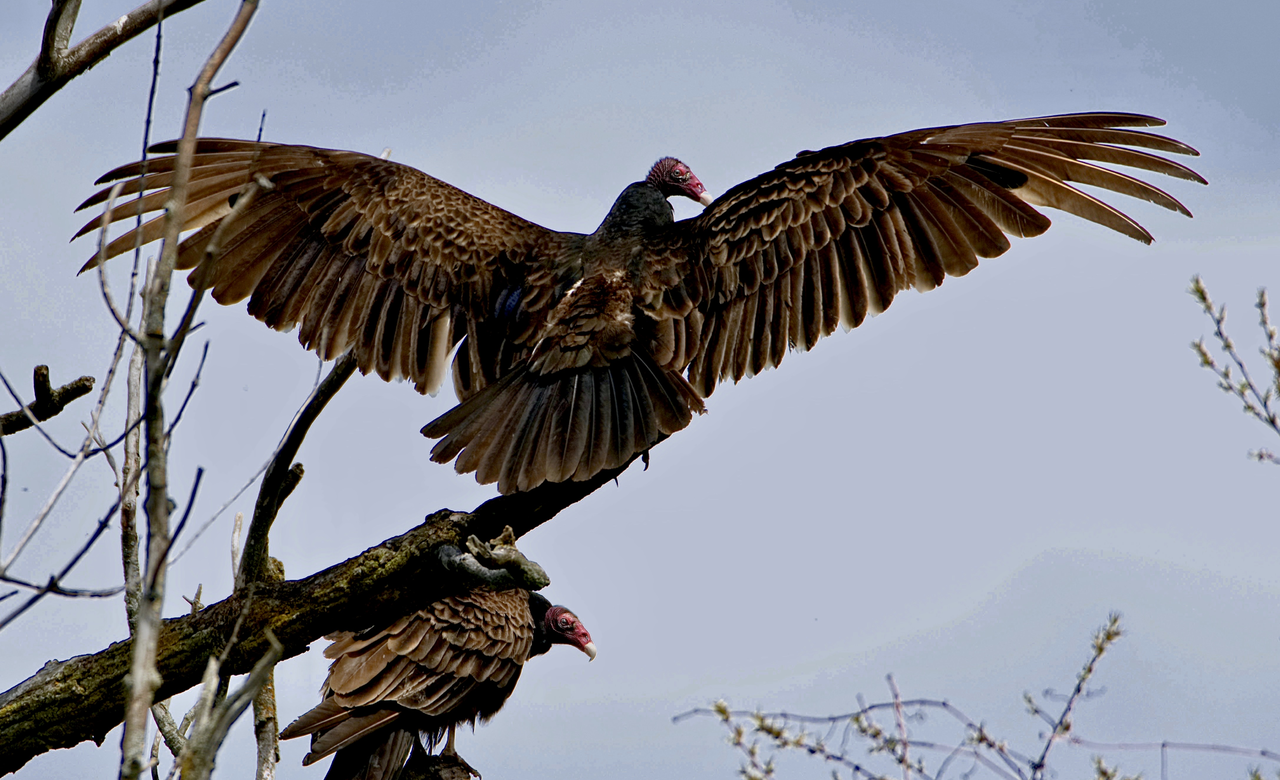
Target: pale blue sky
x=957, y=492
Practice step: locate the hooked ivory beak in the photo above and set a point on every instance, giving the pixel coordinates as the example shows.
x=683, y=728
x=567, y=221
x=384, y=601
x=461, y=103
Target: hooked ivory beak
x=590, y=649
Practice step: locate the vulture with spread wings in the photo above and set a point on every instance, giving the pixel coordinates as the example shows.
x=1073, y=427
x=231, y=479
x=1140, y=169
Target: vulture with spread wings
x=457, y=661
x=572, y=353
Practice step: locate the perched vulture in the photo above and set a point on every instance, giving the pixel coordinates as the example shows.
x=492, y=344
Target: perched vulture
x=454, y=662
x=572, y=353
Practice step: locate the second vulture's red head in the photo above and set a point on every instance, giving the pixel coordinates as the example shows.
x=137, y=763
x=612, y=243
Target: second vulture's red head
x=564, y=628
x=673, y=177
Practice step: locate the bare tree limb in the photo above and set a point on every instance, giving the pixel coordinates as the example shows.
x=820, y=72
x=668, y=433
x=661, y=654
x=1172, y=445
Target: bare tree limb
x=266, y=720
x=83, y=698
x=160, y=354
x=57, y=65
x=167, y=730
x=57, y=35
x=210, y=731
x=48, y=403
x=274, y=484
x=54, y=581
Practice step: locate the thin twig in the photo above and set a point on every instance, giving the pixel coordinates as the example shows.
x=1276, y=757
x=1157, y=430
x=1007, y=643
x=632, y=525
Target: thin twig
x=102, y=526
x=53, y=588
x=1102, y=641
x=1257, y=403
x=195, y=488
x=191, y=390
x=306, y=405
x=168, y=729
x=121, y=319
x=212, y=250
x=236, y=528
x=903, y=758
x=132, y=471
x=1193, y=747
x=4, y=483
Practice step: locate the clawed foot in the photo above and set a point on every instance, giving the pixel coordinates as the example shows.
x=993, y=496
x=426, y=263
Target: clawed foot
x=453, y=766
x=497, y=563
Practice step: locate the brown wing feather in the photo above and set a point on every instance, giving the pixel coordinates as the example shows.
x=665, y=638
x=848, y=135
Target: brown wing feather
x=362, y=252
x=453, y=662
x=463, y=632
x=831, y=236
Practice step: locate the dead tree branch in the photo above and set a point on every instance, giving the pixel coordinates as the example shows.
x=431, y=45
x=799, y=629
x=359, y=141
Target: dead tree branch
x=159, y=356
x=213, y=723
x=56, y=64
x=49, y=402
x=277, y=482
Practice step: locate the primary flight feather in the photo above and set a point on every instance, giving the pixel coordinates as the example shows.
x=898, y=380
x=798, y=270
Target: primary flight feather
x=572, y=353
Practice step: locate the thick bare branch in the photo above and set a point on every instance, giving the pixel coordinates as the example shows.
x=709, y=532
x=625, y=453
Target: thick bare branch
x=54, y=67
x=57, y=35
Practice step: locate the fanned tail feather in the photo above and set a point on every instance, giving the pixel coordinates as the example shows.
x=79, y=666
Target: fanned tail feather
x=528, y=429
x=378, y=758
x=366, y=748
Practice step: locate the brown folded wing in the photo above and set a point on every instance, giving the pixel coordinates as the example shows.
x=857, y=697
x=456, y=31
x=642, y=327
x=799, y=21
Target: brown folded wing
x=358, y=251
x=831, y=236
x=454, y=662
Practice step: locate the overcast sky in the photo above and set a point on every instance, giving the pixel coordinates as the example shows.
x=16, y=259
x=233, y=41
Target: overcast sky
x=958, y=492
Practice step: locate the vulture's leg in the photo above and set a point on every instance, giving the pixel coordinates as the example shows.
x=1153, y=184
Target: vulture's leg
x=452, y=754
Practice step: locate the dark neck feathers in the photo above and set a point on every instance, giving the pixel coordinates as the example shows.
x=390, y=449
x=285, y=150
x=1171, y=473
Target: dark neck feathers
x=640, y=208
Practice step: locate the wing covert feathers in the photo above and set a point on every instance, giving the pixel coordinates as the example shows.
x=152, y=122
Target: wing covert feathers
x=360, y=252
x=831, y=236
x=454, y=662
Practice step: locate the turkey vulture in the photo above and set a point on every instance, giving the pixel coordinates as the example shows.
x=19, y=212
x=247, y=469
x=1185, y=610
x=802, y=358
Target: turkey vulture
x=454, y=662
x=573, y=353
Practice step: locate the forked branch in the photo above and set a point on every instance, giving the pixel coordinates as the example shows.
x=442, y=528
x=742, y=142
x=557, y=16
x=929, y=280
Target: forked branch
x=49, y=402
x=58, y=63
